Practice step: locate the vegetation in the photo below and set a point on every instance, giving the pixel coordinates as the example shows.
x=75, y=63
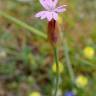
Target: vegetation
x=27, y=66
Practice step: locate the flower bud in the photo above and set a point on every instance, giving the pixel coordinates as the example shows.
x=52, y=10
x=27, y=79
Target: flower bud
x=89, y=52
x=61, y=68
x=81, y=81
x=35, y=94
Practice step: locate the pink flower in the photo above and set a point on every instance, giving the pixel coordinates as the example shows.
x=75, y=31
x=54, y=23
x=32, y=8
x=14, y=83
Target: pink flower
x=51, y=12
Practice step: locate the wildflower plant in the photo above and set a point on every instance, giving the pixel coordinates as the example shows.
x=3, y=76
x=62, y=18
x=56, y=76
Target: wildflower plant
x=89, y=52
x=51, y=13
x=81, y=81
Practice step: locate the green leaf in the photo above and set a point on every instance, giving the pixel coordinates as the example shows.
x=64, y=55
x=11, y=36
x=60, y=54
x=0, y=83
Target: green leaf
x=24, y=25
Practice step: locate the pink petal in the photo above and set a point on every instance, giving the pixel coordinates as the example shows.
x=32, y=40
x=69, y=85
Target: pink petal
x=49, y=16
x=52, y=15
x=40, y=14
x=50, y=3
x=54, y=3
x=55, y=16
x=44, y=16
x=61, y=9
x=44, y=4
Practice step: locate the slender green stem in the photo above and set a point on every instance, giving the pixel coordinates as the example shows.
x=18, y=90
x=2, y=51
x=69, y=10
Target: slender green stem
x=57, y=69
x=24, y=25
x=68, y=62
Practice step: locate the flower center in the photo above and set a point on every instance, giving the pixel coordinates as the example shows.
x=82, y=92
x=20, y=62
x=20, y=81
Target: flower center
x=51, y=8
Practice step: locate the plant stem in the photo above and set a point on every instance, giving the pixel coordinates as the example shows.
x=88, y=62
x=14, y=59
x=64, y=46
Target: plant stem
x=57, y=69
x=68, y=62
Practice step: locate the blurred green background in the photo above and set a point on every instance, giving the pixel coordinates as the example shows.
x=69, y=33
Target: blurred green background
x=26, y=58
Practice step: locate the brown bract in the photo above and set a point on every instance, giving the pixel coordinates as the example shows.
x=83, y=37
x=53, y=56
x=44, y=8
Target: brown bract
x=53, y=32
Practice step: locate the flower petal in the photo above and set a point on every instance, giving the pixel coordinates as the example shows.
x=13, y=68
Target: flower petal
x=45, y=14
x=44, y=3
x=39, y=14
x=49, y=16
x=54, y=3
x=50, y=3
x=54, y=15
x=60, y=9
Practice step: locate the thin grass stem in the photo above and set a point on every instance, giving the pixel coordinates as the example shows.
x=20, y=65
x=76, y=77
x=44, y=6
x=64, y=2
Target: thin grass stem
x=57, y=69
x=24, y=25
